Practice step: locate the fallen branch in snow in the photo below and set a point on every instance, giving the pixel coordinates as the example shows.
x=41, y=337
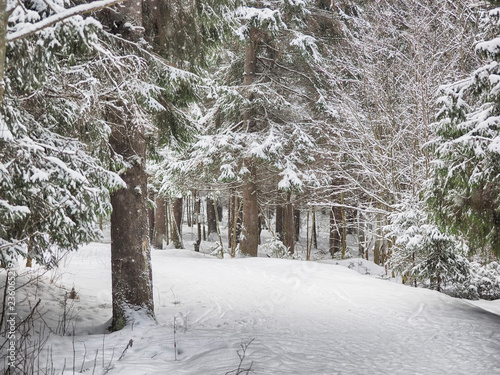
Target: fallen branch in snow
x=242, y=354
x=129, y=345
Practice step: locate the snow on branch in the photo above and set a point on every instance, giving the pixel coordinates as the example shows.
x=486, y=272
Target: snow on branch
x=58, y=17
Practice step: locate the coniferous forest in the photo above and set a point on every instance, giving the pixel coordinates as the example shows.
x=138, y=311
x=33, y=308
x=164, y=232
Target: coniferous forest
x=195, y=186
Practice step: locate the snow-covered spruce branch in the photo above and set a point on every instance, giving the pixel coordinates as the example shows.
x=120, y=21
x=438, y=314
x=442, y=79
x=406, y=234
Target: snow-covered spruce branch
x=160, y=60
x=58, y=17
x=5, y=244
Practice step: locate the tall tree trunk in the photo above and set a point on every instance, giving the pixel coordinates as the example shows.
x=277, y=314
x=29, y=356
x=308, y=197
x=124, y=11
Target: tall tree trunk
x=211, y=220
x=296, y=220
x=260, y=226
x=151, y=216
x=376, y=251
x=177, y=223
x=237, y=220
x=314, y=234
x=343, y=240
x=167, y=220
x=249, y=74
x=220, y=213
x=160, y=228
x=335, y=235
x=216, y=210
x=250, y=240
x=308, y=256
x=288, y=225
x=310, y=243
x=204, y=229
x=132, y=281
x=332, y=234
x=361, y=235
x=379, y=242
x=229, y=221
x=130, y=251
x=189, y=213
x=197, y=208
x=279, y=222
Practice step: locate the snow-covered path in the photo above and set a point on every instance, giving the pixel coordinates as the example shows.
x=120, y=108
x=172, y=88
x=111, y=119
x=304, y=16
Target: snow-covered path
x=304, y=318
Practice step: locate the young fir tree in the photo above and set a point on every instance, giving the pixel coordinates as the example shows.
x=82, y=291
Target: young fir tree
x=423, y=254
x=465, y=190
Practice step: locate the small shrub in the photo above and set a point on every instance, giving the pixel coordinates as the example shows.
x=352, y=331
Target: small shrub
x=275, y=248
x=483, y=282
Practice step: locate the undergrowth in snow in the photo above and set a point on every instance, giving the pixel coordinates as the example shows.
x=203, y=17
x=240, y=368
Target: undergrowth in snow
x=291, y=316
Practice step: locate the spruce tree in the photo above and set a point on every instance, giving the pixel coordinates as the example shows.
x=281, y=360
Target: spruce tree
x=261, y=121
x=423, y=254
x=465, y=190
x=53, y=186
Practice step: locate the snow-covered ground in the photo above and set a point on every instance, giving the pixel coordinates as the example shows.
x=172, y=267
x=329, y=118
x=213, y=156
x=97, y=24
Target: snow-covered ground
x=303, y=317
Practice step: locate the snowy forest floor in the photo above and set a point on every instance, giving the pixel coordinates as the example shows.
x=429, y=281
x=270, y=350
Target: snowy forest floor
x=298, y=317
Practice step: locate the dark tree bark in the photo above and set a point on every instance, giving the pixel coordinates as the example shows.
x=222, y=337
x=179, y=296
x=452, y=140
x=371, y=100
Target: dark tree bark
x=130, y=251
x=376, y=252
x=279, y=222
x=249, y=242
x=230, y=213
x=343, y=232
x=197, y=208
x=296, y=220
x=250, y=232
x=151, y=217
x=314, y=234
x=167, y=220
x=309, y=243
x=177, y=224
x=189, y=213
x=132, y=285
x=260, y=227
x=160, y=229
x=219, y=211
x=379, y=247
x=249, y=76
x=335, y=238
x=360, y=234
x=211, y=220
x=235, y=223
x=239, y=219
x=288, y=225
